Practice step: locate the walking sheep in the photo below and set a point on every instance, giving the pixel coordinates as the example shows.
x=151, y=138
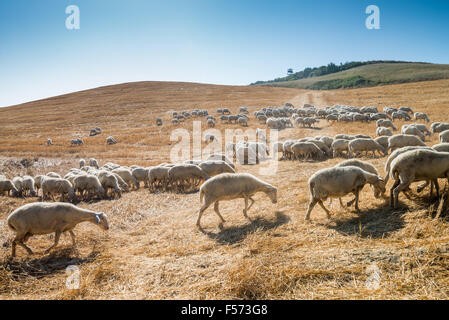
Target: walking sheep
x=337, y=182
x=44, y=218
x=228, y=186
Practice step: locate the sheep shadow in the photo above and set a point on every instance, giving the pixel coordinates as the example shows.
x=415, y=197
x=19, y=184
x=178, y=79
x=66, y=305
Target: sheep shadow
x=234, y=234
x=376, y=223
x=43, y=266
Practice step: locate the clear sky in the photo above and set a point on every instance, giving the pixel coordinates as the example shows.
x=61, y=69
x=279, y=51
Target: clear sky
x=208, y=41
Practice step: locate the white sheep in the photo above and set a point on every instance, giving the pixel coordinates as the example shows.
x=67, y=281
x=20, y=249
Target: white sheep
x=339, y=146
x=444, y=136
x=109, y=181
x=44, y=218
x=111, y=140
x=403, y=140
x=337, y=182
x=28, y=187
x=306, y=150
x=127, y=177
x=412, y=130
x=53, y=186
x=185, y=176
x=228, y=186
x=421, y=116
x=158, y=178
x=82, y=163
x=49, y=142
x=141, y=175
x=359, y=145
x=90, y=184
x=7, y=186
x=215, y=167
x=17, y=181
x=94, y=163
x=417, y=165
x=383, y=131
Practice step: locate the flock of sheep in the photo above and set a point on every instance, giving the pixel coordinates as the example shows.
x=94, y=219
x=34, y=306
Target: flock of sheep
x=410, y=160
x=78, y=141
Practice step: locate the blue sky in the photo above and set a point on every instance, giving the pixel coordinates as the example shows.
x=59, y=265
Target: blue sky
x=208, y=41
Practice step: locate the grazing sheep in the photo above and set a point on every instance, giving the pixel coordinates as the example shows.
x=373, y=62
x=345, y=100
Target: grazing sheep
x=53, y=186
x=44, y=218
x=417, y=165
x=17, y=181
x=385, y=123
x=111, y=140
x=306, y=151
x=437, y=127
x=28, y=188
x=339, y=146
x=395, y=154
x=53, y=175
x=359, y=145
x=213, y=168
x=98, y=129
x=185, y=176
x=49, y=142
x=441, y=147
x=38, y=182
x=92, y=132
x=221, y=157
x=210, y=123
x=109, y=181
x=158, y=178
x=337, y=182
x=7, y=186
x=403, y=140
x=93, y=163
x=412, y=130
x=159, y=122
x=228, y=186
x=406, y=109
x=421, y=116
x=444, y=136
x=82, y=163
x=383, y=131
x=141, y=175
x=127, y=177
x=90, y=184
x=76, y=142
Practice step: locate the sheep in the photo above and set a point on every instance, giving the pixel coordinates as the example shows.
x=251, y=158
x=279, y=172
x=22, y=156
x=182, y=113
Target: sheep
x=395, y=154
x=49, y=142
x=403, y=140
x=184, y=176
x=437, y=127
x=93, y=163
x=111, y=140
x=327, y=140
x=338, y=182
x=77, y=141
x=359, y=145
x=306, y=150
x=412, y=130
x=17, y=181
x=323, y=147
x=92, y=132
x=383, y=141
x=109, y=181
x=44, y=218
x=221, y=157
x=242, y=121
x=441, y=147
x=98, y=129
x=38, y=182
x=88, y=183
x=28, y=186
x=141, y=175
x=7, y=186
x=159, y=122
x=228, y=186
x=386, y=124
x=340, y=145
x=421, y=116
x=127, y=177
x=52, y=186
x=82, y=163
x=53, y=175
x=213, y=168
x=368, y=167
x=422, y=127
x=417, y=165
x=158, y=176
x=383, y=131
x=210, y=123
x=444, y=136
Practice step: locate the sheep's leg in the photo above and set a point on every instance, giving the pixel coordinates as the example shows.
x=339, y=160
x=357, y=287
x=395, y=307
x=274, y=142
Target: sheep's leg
x=203, y=208
x=437, y=188
x=356, y=193
x=312, y=204
x=72, y=234
x=246, y=208
x=404, y=183
x=252, y=202
x=57, y=236
x=341, y=202
x=18, y=240
x=395, y=184
x=324, y=208
x=218, y=212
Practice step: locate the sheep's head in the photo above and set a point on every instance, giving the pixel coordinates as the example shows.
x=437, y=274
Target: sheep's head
x=272, y=193
x=379, y=187
x=102, y=221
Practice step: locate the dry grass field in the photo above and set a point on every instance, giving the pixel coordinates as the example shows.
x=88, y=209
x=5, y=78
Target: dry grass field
x=153, y=249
